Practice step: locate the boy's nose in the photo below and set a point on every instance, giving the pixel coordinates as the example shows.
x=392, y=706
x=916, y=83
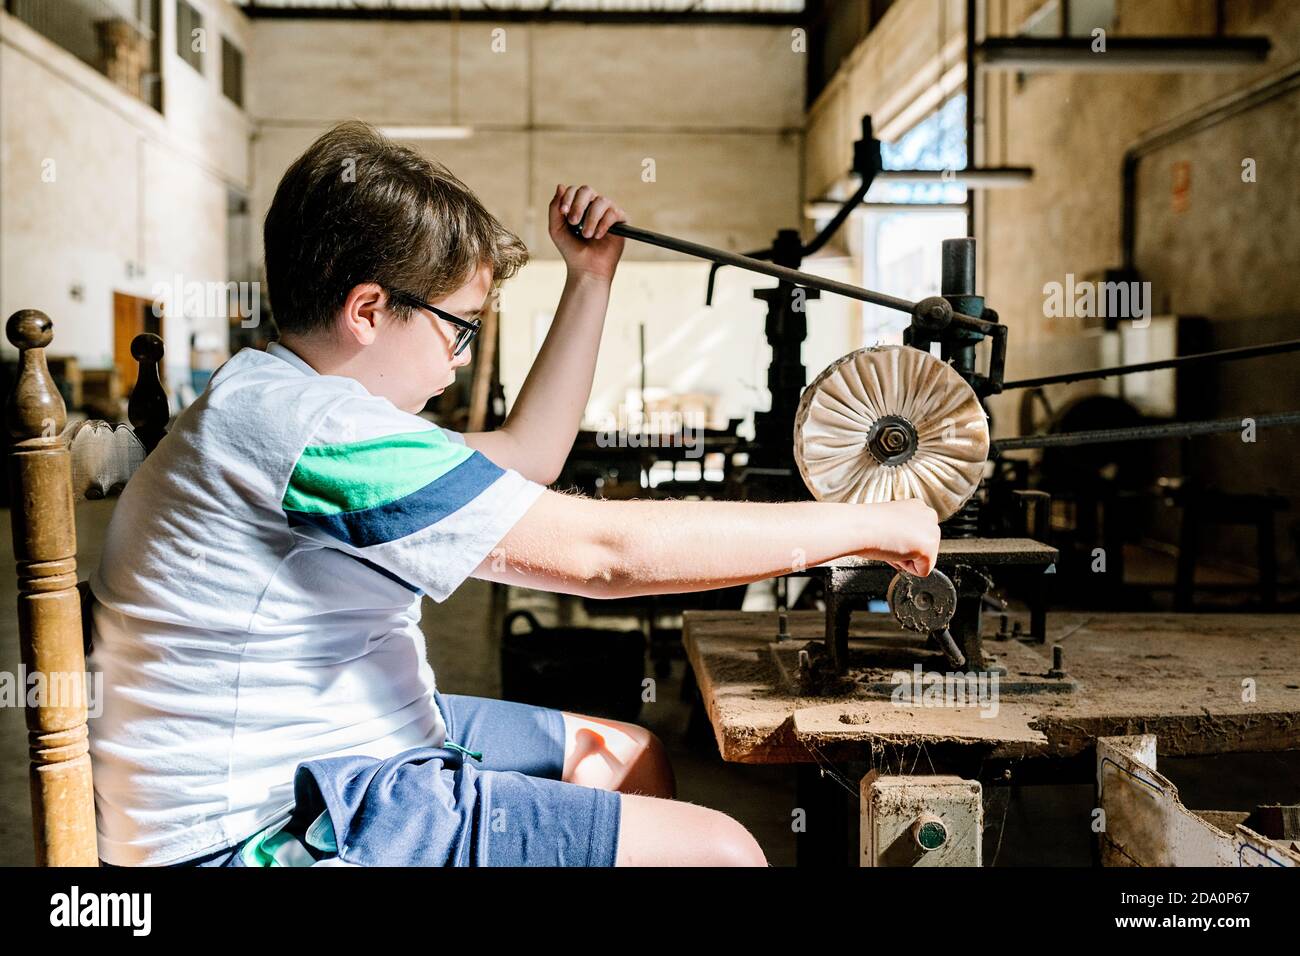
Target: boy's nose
x=464, y=358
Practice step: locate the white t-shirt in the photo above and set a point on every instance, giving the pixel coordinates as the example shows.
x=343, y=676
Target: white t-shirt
x=258, y=602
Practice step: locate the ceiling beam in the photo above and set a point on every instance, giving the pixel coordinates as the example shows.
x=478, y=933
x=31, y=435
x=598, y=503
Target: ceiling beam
x=256, y=11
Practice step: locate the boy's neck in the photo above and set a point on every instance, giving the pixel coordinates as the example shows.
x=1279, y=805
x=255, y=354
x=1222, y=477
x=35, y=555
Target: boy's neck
x=331, y=358
x=326, y=357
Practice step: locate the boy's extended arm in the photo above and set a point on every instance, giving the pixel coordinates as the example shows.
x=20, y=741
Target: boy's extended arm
x=538, y=434
x=628, y=548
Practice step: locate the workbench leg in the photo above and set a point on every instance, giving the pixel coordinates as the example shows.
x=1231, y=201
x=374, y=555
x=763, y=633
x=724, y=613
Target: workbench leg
x=1188, y=542
x=1267, y=562
x=965, y=628
x=699, y=734
x=839, y=613
x=1038, y=609
x=825, y=840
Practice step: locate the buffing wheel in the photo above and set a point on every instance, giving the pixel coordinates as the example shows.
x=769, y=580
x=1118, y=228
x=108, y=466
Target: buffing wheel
x=891, y=422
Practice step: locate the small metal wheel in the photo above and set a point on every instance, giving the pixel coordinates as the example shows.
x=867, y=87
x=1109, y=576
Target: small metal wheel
x=922, y=604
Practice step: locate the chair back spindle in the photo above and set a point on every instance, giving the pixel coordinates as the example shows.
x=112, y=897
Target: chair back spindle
x=50, y=626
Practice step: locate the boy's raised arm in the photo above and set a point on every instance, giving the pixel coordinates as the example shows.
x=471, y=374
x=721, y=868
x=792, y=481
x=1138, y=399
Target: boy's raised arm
x=610, y=549
x=539, y=431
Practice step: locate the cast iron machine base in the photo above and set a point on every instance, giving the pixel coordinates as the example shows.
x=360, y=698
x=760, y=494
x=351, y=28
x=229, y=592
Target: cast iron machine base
x=969, y=563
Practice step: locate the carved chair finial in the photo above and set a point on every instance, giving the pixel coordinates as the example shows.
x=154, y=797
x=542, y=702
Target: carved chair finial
x=35, y=408
x=147, y=410
x=29, y=329
x=147, y=347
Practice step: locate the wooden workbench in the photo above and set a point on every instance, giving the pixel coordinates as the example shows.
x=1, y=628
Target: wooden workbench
x=1179, y=676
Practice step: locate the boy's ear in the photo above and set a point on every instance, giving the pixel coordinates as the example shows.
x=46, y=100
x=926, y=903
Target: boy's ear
x=364, y=311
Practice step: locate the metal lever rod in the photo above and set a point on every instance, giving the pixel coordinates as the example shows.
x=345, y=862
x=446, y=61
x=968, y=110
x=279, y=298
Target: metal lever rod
x=793, y=276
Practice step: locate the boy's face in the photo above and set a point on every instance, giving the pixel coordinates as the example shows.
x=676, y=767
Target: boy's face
x=414, y=359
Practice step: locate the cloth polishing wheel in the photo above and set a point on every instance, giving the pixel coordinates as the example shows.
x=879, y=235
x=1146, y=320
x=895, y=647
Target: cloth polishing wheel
x=891, y=422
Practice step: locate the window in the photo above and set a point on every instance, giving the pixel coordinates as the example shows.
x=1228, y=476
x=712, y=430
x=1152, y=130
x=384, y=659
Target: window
x=901, y=247
x=232, y=72
x=116, y=37
x=191, y=37
x=1078, y=18
x=937, y=142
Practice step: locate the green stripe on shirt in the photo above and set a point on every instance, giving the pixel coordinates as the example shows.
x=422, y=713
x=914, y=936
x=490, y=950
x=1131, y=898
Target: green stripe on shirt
x=330, y=479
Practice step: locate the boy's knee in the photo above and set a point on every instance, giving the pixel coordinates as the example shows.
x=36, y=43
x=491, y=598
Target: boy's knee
x=654, y=771
x=736, y=846
x=617, y=755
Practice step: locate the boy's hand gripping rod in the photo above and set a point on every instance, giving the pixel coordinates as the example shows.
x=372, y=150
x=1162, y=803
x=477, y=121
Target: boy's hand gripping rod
x=933, y=313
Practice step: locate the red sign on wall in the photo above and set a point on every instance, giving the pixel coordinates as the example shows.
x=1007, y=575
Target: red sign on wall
x=1182, y=185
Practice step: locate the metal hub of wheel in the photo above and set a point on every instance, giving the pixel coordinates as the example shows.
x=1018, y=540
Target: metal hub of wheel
x=892, y=440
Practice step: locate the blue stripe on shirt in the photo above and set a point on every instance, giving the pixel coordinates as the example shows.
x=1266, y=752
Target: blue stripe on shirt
x=414, y=512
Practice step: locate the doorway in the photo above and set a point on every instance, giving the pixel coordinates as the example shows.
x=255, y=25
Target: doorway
x=132, y=315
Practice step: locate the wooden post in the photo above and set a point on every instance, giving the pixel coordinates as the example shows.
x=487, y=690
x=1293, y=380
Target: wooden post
x=485, y=370
x=49, y=607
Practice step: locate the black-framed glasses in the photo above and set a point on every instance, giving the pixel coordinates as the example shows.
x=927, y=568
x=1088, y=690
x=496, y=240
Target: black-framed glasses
x=466, y=329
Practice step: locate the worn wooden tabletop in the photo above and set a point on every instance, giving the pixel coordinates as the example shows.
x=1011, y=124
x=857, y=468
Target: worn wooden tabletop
x=1204, y=683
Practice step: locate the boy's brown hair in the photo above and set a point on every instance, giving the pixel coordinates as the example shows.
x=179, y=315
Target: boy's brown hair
x=357, y=207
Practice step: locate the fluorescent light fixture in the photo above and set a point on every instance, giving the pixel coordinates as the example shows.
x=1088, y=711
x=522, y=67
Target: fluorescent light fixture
x=427, y=132
x=1122, y=54
x=980, y=177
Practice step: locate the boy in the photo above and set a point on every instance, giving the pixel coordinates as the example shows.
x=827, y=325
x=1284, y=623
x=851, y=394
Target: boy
x=267, y=699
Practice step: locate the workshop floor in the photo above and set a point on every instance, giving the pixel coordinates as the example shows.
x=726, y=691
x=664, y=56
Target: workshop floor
x=1037, y=825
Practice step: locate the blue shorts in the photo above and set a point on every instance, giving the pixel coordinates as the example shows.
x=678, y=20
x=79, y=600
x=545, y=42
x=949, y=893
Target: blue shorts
x=436, y=806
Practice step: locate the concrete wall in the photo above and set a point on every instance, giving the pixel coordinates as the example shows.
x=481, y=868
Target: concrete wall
x=718, y=110
x=136, y=199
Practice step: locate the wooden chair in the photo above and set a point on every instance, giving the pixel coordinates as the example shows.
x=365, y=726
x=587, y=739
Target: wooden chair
x=51, y=466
